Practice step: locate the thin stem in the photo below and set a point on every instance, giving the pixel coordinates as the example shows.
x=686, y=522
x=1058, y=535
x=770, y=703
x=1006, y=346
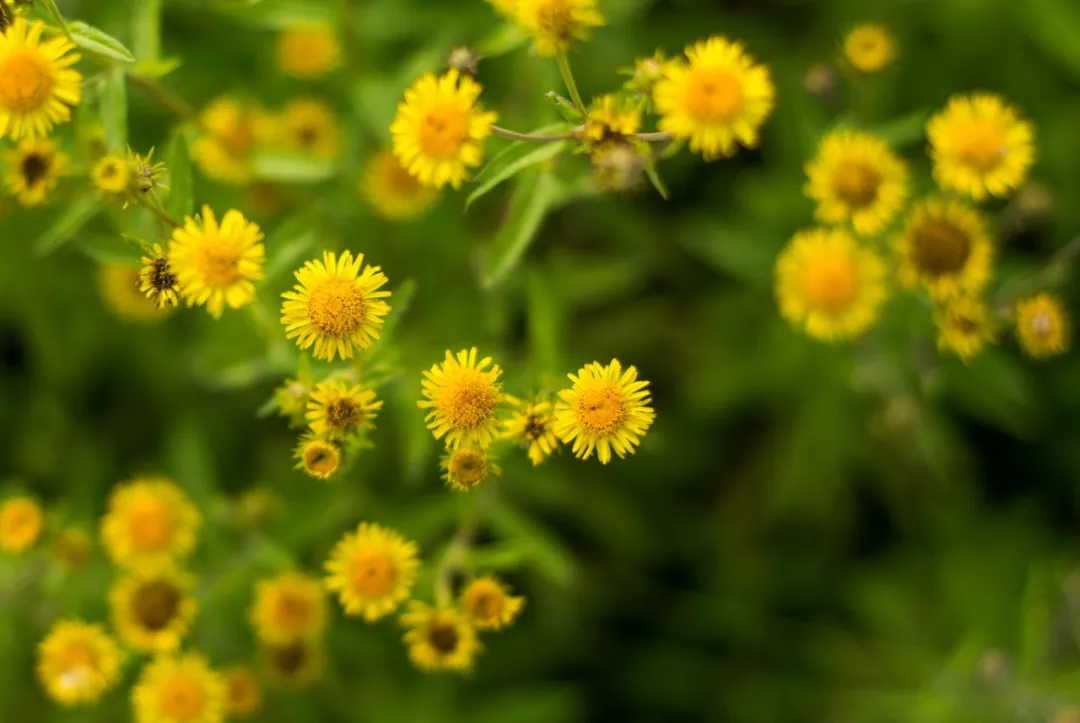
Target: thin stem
x=164, y=96
x=452, y=562
x=155, y=206
x=568, y=78
x=505, y=133
x=658, y=137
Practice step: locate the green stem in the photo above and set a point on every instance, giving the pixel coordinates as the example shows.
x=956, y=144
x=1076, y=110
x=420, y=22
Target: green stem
x=164, y=96
x=452, y=562
x=568, y=78
x=514, y=135
x=151, y=202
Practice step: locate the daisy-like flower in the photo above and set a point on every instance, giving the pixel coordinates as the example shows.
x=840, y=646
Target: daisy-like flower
x=392, y=191
x=439, y=639
x=157, y=280
x=463, y=395
x=965, y=326
x=179, y=689
x=466, y=468
x=308, y=51
x=439, y=129
x=1042, y=326
x=337, y=409
x=946, y=247
x=555, y=24
x=372, y=570
x=869, y=48
x=20, y=524
x=856, y=178
x=489, y=604
x=296, y=664
x=216, y=264
x=231, y=131
x=335, y=307
x=152, y=610
x=149, y=523
x=611, y=120
x=38, y=87
x=606, y=409
x=717, y=101
x=120, y=288
x=533, y=426
x=980, y=146
x=77, y=662
x=112, y=175
x=243, y=694
x=33, y=169
x=830, y=286
x=317, y=456
x=289, y=607
x=310, y=126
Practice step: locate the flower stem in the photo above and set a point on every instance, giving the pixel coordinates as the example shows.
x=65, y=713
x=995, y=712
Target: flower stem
x=505, y=133
x=568, y=78
x=452, y=562
x=155, y=207
x=164, y=96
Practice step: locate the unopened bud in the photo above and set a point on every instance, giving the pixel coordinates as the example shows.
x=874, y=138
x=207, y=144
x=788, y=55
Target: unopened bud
x=820, y=81
x=465, y=60
x=618, y=166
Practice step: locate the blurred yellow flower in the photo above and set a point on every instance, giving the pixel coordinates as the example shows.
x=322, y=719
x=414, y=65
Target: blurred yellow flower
x=980, y=146
x=335, y=307
x=337, y=409
x=288, y=607
x=489, y=604
x=112, y=175
x=439, y=129
x=20, y=524
x=120, y=287
x=310, y=126
x=308, y=51
x=71, y=548
x=439, y=639
x=532, y=425
x=869, y=48
x=857, y=179
x=157, y=280
x=964, y=325
x=33, y=169
x=463, y=396
x=232, y=128
x=318, y=457
x=717, y=101
x=243, y=694
x=372, y=570
x=77, y=662
x=611, y=119
x=296, y=664
x=392, y=191
x=38, y=87
x=829, y=286
x=466, y=468
x=946, y=247
x=606, y=409
x=152, y=609
x=646, y=73
x=1043, y=327
x=216, y=264
x=149, y=523
x=555, y=24
x=179, y=689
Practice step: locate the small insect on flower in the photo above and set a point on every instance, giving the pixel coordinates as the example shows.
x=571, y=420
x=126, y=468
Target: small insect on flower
x=946, y=247
x=149, y=523
x=1043, y=327
x=296, y=664
x=33, y=169
x=392, y=191
x=869, y=48
x=157, y=280
x=335, y=307
x=489, y=604
x=555, y=24
x=980, y=146
x=77, y=662
x=317, y=456
x=232, y=129
x=308, y=51
x=439, y=639
x=466, y=468
x=216, y=264
x=152, y=610
x=112, y=175
x=179, y=689
x=372, y=570
x=337, y=409
x=439, y=129
x=463, y=395
x=120, y=287
x=717, y=101
x=965, y=326
x=37, y=84
x=533, y=426
x=243, y=694
x=606, y=409
x=310, y=126
x=289, y=607
x=20, y=524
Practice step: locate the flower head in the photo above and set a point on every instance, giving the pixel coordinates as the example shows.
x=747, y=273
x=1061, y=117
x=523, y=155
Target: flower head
x=555, y=24
x=152, y=609
x=392, y=191
x=964, y=326
x=945, y=246
x=466, y=468
x=291, y=400
x=77, y=662
x=463, y=395
x=489, y=604
x=112, y=175
x=243, y=694
x=157, y=280
x=533, y=426
x=120, y=286
x=317, y=456
x=335, y=307
x=717, y=100
x=869, y=48
x=296, y=664
x=646, y=73
x=308, y=51
x=310, y=126
x=231, y=130
x=38, y=87
x=179, y=689
x=372, y=570
x=149, y=523
x=337, y=409
x=33, y=169
x=606, y=409
x=439, y=639
x=71, y=547
x=1042, y=326
x=216, y=264
x=145, y=174
x=439, y=129
x=611, y=119
x=20, y=524
x=287, y=608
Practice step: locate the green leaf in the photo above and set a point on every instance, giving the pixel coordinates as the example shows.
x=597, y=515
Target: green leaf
x=109, y=248
x=1054, y=26
x=513, y=160
x=71, y=220
x=157, y=68
x=54, y=13
x=566, y=108
x=504, y=39
x=113, y=100
x=274, y=13
x=655, y=179
x=181, y=199
x=907, y=130
x=96, y=42
x=537, y=192
x=146, y=29
x=292, y=168
x=539, y=545
x=1036, y=617
x=545, y=321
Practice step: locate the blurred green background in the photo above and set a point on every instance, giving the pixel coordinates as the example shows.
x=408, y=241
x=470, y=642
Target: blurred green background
x=808, y=533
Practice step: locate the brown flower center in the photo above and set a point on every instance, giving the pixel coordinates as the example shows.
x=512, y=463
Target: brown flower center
x=156, y=604
x=856, y=184
x=939, y=248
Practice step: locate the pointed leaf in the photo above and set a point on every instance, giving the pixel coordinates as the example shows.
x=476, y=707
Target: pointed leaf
x=113, y=102
x=70, y=221
x=537, y=192
x=97, y=42
x=181, y=199
x=512, y=161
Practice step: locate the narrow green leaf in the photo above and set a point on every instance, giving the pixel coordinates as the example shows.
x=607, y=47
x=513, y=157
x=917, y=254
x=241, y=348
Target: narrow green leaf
x=274, y=13
x=181, y=199
x=907, y=130
x=54, y=13
x=566, y=108
x=109, y=248
x=655, y=179
x=292, y=168
x=157, y=68
x=146, y=29
x=289, y=244
x=70, y=222
x=113, y=102
x=512, y=161
x=1054, y=26
x=97, y=42
x=545, y=321
x=535, y=195
x=539, y=545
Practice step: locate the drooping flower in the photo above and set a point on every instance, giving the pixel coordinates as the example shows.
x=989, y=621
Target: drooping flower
x=149, y=523
x=157, y=280
x=372, y=570
x=338, y=409
x=317, y=456
x=965, y=326
x=439, y=639
x=288, y=607
x=463, y=396
x=20, y=524
x=179, y=689
x=869, y=48
x=152, y=609
x=946, y=247
x=532, y=425
x=606, y=409
x=33, y=169
x=38, y=87
x=1043, y=327
x=489, y=604
x=466, y=468
x=77, y=662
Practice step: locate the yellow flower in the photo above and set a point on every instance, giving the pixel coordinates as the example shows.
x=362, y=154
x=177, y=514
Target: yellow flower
x=20, y=524
x=120, y=287
x=463, y=396
x=335, y=306
x=308, y=51
x=980, y=146
x=243, y=694
x=964, y=326
x=112, y=175
x=856, y=178
x=1042, y=326
x=297, y=664
x=392, y=191
x=646, y=73
x=532, y=425
x=372, y=570
x=555, y=24
x=439, y=129
x=337, y=409
x=946, y=247
x=291, y=400
x=466, y=468
x=310, y=126
x=606, y=409
x=149, y=522
x=77, y=662
x=179, y=689
x=216, y=264
x=145, y=174
x=318, y=457
x=489, y=604
x=439, y=639
x=152, y=609
x=828, y=285
x=232, y=129
x=71, y=548
x=287, y=608
x=37, y=85
x=717, y=100
x=33, y=169
x=157, y=280
x=869, y=48
x=611, y=119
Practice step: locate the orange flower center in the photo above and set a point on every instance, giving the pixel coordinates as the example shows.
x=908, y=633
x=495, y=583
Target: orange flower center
x=399, y=180
x=443, y=131
x=830, y=283
x=181, y=698
x=714, y=95
x=981, y=145
x=601, y=410
x=443, y=637
x=485, y=604
x=217, y=262
x=555, y=21
x=155, y=604
x=336, y=307
x=292, y=611
x=372, y=574
x=468, y=467
x=150, y=524
x=939, y=248
x=856, y=184
x=468, y=400
x=26, y=81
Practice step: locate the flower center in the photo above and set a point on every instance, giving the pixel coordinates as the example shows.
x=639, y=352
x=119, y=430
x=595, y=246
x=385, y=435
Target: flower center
x=307, y=135
x=181, y=698
x=343, y=414
x=486, y=605
x=155, y=604
x=469, y=400
x=79, y=665
x=372, y=574
x=829, y=283
x=1042, y=324
x=939, y=248
x=290, y=659
x=161, y=278
x=443, y=131
x=535, y=427
x=150, y=525
x=468, y=468
x=856, y=184
x=714, y=95
x=400, y=181
x=292, y=611
x=336, y=307
x=443, y=637
x=320, y=458
x=26, y=81
x=601, y=410
x=981, y=145
x=555, y=20
x=218, y=262
x=34, y=168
